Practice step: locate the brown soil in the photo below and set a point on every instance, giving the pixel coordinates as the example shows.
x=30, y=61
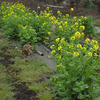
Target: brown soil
x=21, y=89
x=66, y=10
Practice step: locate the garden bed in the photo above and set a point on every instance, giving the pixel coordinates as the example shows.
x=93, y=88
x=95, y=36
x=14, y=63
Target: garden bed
x=76, y=63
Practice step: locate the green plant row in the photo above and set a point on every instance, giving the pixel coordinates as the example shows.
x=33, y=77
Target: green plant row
x=18, y=22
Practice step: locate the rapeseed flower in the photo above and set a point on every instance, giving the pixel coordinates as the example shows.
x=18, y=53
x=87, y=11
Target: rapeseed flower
x=59, y=48
x=85, y=18
x=38, y=7
x=52, y=46
x=76, y=23
x=90, y=54
x=71, y=46
x=57, y=40
x=60, y=65
x=49, y=33
x=63, y=40
x=67, y=15
x=96, y=55
x=53, y=51
x=91, y=49
x=94, y=42
x=72, y=38
x=84, y=49
x=72, y=9
x=77, y=34
x=59, y=13
x=76, y=54
x=60, y=27
x=96, y=47
x=82, y=28
x=47, y=8
x=87, y=40
x=83, y=34
x=79, y=46
x=60, y=57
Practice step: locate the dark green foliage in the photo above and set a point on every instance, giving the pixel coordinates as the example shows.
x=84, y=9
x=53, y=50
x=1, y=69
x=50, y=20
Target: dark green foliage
x=89, y=26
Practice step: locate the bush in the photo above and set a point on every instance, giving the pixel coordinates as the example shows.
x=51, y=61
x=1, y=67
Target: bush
x=27, y=35
x=76, y=76
x=14, y=15
x=89, y=26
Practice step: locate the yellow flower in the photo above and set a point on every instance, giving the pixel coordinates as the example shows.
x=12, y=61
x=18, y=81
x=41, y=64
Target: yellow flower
x=96, y=55
x=60, y=65
x=91, y=49
x=85, y=18
x=57, y=40
x=72, y=38
x=60, y=57
x=38, y=7
x=56, y=21
x=52, y=46
x=29, y=17
x=90, y=54
x=83, y=34
x=49, y=33
x=67, y=15
x=60, y=27
x=96, y=47
x=76, y=23
x=87, y=40
x=76, y=54
x=25, y=27
x=84, y=48
x=63, y=40
x=74, y=17
x=53, y=51
x=94, y=42
x=47, y=8
x=82, y=28
x=34, y=11
x=59, y=48
x=72, y=9
x=65, y=23
x=71, y=46
x=79, y=46
x=77, y=34
x=59, y=13
x=37, y=16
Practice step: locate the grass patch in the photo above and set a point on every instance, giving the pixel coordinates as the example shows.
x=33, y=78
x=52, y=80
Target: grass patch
x=5, y=86
x=34, y=73
x=97, y=22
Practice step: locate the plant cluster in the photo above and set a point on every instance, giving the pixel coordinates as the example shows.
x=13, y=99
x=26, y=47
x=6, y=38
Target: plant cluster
x=76, y=78
x=14, y=16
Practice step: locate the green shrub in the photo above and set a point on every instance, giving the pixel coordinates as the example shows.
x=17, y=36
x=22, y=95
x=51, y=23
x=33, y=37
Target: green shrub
x=27, y=35
x=76, y=77
x=89, y=26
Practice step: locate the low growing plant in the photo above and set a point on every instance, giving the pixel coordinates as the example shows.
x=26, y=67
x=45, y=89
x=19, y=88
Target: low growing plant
x=76, y=78
x=27, y=35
